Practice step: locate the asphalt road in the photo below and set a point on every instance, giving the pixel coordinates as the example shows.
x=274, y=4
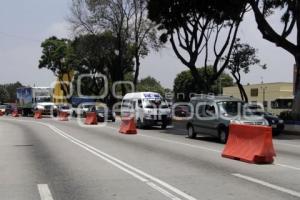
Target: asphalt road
x=53, y=160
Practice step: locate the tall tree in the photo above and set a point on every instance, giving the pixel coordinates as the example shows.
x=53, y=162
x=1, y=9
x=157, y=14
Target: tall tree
x=242, y=58
x=95, y=55
x=4, y=95
x=126, y=19
x=57, y=56
x=290, y=18
x=150, y=84
x=198, y=27
x=185, y=85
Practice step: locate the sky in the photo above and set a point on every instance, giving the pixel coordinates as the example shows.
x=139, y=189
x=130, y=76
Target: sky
x=25, y=24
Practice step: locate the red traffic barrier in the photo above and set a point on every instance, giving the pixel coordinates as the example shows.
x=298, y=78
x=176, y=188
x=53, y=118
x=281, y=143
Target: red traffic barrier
x=63, y=116
x=38, y=114
x=1, y=113
x=128, y=126
x=91, y=118
x=15, y=113
x=252, y=144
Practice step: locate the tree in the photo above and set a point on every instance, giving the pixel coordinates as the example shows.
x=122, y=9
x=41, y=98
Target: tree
x=150, y=84
x=185, y=84
x=290, y=18
x=95, y=55
x=126, y=19
x=197, y=27
x=242, y=58
x=4, y=95
x=11, y=88
x=57, y=56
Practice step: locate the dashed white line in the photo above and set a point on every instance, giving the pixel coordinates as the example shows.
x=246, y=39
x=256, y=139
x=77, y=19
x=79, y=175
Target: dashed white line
x=44, y=191
x=269, y=185
x=138, y=174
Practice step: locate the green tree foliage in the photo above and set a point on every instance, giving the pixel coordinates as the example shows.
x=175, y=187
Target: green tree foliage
x=150, y=84
x=198, y=27
x=4, y=95
x=11, y=88
x=242, y=58
x=57, y=56
x=284, y=38
x=185, y=85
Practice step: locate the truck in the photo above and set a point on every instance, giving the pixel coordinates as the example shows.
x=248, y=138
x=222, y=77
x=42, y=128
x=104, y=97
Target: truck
x=30, y=99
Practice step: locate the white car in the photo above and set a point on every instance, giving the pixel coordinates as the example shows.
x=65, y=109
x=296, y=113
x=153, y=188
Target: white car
x=82, y=109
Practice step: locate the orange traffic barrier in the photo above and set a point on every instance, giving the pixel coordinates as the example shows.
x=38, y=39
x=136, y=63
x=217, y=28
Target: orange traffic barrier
x=15, y=113
x=252, y=144
x=63, y=116
x=128, y=126
x=91, y=118
x=1, y=113
x=38, y=114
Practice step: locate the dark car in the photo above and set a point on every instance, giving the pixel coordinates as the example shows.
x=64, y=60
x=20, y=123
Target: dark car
x=103, y=113
x=182, y=111
x=275, y=122
x=6, y=109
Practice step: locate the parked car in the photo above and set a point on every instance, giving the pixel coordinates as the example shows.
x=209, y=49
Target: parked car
x=82, y=109
x=6, y=109
x=213, y=114
x=182, y=111
x=64, y=108
x=275, y=122
x=103, y=113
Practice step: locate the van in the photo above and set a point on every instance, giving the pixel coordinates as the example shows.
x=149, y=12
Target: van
x=149, y=109
x=212, y=115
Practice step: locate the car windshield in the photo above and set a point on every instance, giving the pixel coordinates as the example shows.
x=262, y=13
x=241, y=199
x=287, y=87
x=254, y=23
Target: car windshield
x=43, y=99
x=158, y=103
x=232, y=108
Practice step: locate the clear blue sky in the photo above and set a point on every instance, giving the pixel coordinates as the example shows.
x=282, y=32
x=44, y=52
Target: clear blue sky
x=24, y=24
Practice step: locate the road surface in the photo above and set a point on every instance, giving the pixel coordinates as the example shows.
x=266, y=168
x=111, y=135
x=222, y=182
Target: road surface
x=53, y=160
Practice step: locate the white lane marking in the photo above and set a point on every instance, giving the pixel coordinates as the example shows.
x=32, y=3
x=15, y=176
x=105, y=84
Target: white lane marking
x=174, y=142
x=269, y=185
x=44, y=191
x=287, y=166
x=121, y=165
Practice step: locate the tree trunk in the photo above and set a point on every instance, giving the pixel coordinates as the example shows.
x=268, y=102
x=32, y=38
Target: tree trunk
x=244, y=94
x=296, y=104
x=137, y=70
x=197, y=77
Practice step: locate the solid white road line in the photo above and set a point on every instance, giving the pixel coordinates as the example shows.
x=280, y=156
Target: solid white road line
x=138, y=174
x=269, y=185
x=44, y=191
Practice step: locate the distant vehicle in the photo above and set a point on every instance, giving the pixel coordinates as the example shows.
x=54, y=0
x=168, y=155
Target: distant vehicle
x=215, y=113
x=149, y=109
x=82, y=109
x=182, y=111
x=30, y=99
x=275, y=122
x=103, y=113
x=6, y=109
x=64, y=108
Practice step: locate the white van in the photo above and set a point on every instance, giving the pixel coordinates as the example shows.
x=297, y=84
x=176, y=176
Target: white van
x=149, y=109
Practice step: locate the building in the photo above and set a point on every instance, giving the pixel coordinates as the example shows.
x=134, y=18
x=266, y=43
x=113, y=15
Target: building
x=58, y=93
x=274, y=97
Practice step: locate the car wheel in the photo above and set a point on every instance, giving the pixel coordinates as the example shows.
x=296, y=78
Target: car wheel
x=139, y=124
x=163, y=126
x=74, y=114
x=223, y=135
x=191, y=132
x=84, y=114
x=113, y=120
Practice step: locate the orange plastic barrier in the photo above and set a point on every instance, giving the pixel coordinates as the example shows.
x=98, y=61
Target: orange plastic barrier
x=1, y=113
x=38, y=114
x=63, y=116
x=251, y=144
x=91, y=118
x=15, y=113
x=128, y=126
